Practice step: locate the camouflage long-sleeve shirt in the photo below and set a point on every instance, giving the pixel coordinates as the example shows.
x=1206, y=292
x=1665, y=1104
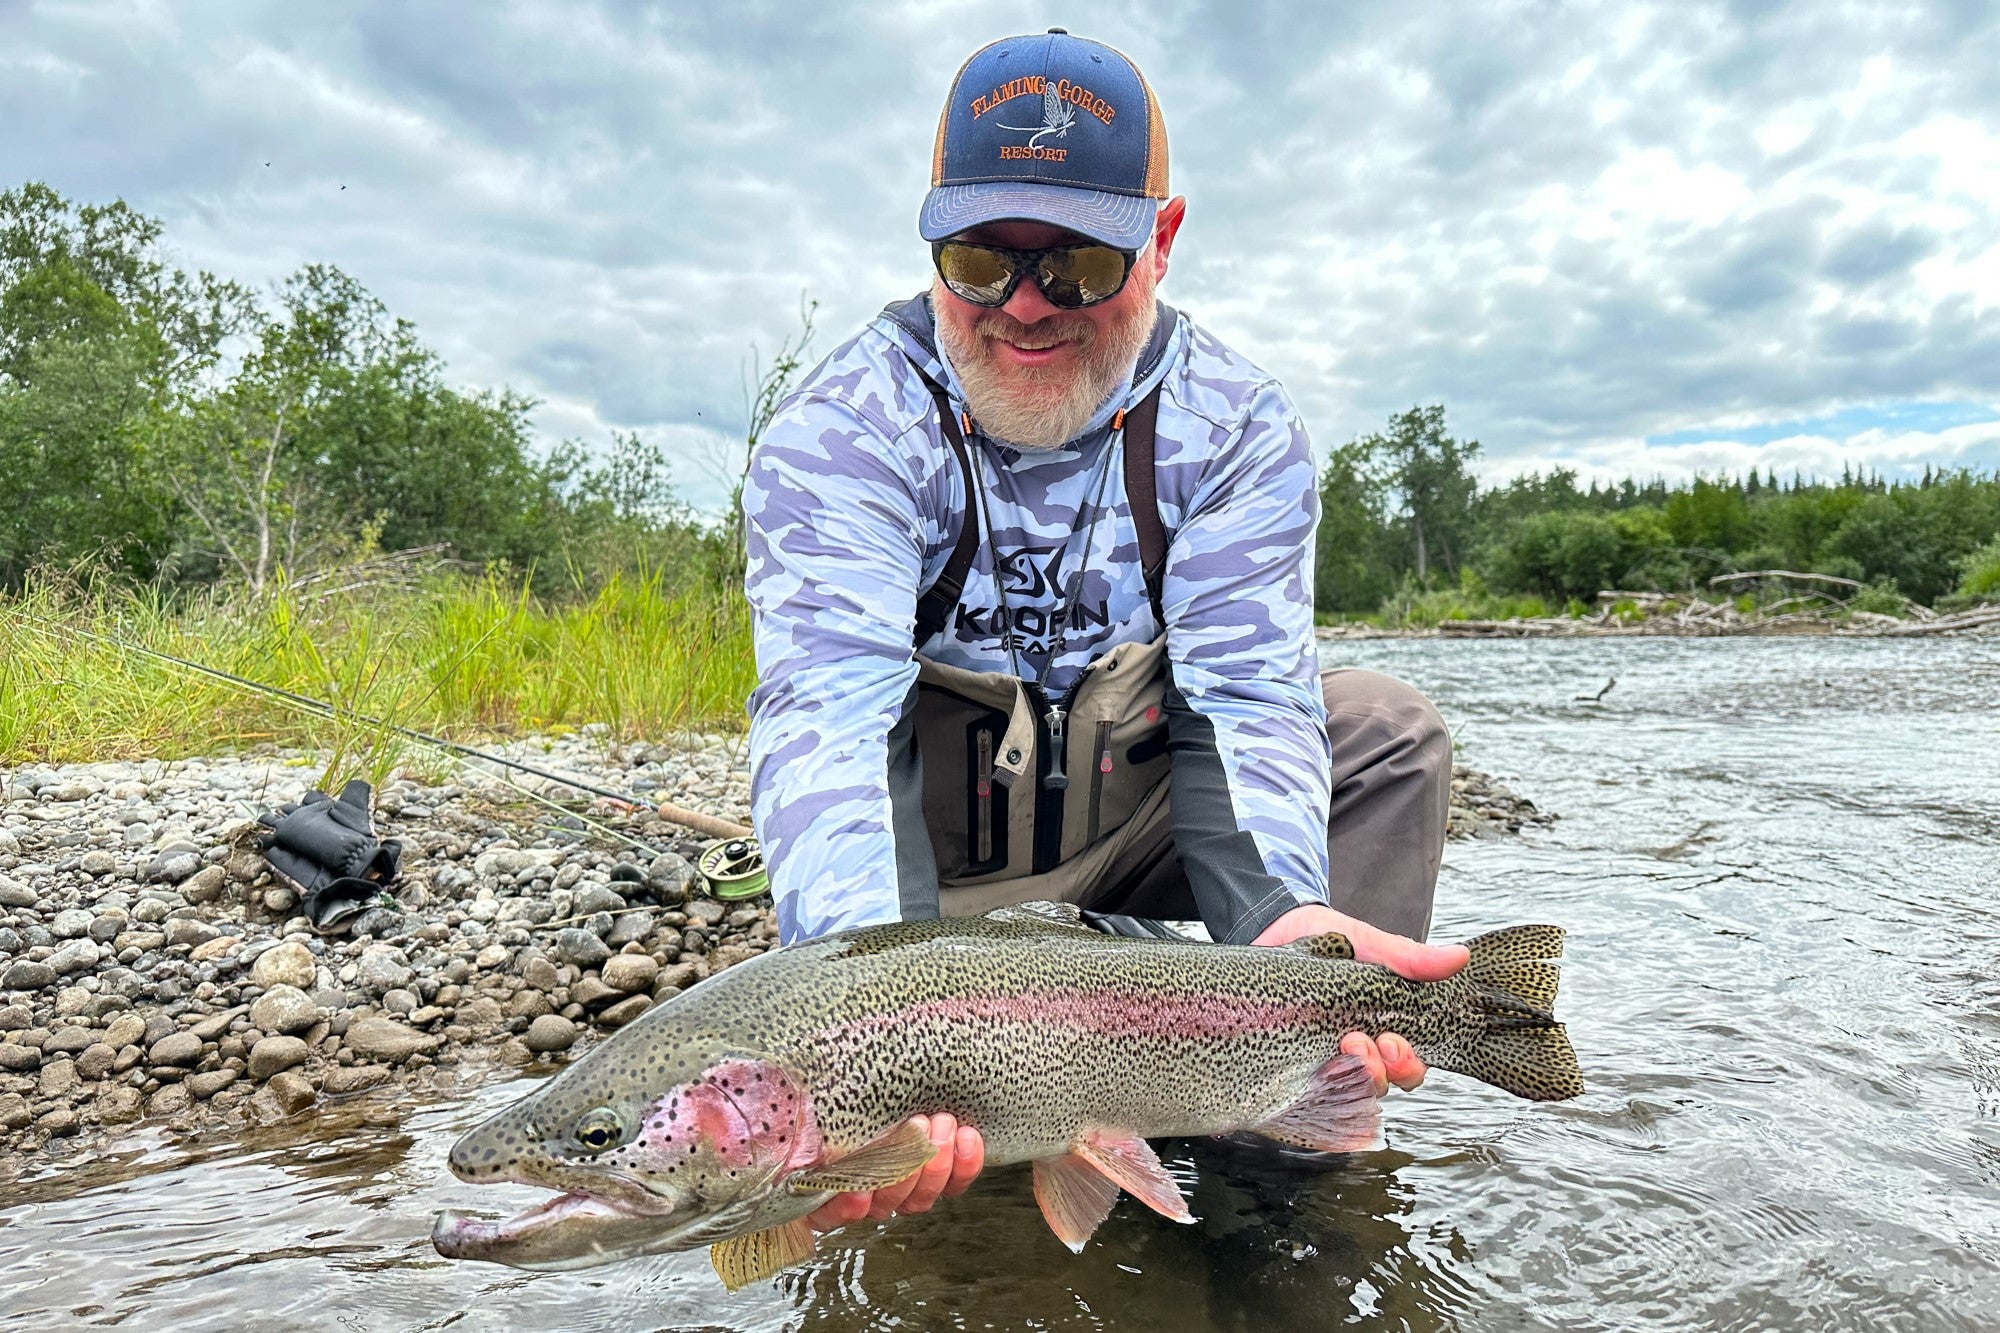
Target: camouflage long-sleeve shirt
x=853, y=503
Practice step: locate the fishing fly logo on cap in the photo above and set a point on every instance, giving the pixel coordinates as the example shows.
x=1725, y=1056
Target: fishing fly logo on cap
x=1096, y=163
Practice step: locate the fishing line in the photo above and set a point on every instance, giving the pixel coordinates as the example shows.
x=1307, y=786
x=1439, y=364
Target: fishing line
x=693, y=819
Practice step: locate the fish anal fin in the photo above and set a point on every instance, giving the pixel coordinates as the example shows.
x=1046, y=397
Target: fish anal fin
x=1130, y=1163
x=895, y=1156
x=1332, y=944
x=1075, y=1197
x=1040, y=913
x=1338, y=1113
x=741, y=1260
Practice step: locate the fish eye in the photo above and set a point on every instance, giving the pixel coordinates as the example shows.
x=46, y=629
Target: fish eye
x=599, y=1130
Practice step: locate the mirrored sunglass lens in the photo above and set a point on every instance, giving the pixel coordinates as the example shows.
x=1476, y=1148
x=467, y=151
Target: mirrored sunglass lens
x=1083, y=275
x=977, y=275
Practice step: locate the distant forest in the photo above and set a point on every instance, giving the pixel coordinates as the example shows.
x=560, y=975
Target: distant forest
x=181, y=430
x=173, y=427
x=1401, y=513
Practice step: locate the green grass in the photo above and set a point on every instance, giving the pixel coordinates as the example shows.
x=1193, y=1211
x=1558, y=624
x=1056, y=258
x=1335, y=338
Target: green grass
x=467, y=658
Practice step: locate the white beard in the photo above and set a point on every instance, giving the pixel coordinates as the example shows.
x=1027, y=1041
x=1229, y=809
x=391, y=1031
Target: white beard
x=1036, y=409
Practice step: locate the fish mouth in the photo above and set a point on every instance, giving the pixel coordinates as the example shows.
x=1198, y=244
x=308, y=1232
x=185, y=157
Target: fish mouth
x=575, y=1229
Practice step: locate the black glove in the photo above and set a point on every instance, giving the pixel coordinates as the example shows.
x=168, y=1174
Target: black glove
x=327, y=849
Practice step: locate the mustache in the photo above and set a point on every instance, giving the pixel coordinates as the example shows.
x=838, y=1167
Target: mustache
x=1044, y=332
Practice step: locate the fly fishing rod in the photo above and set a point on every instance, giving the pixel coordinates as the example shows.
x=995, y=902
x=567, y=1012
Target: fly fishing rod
x=707, y=825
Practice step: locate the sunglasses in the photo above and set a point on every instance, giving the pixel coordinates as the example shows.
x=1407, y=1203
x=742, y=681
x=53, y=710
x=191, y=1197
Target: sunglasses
x=1070, y=276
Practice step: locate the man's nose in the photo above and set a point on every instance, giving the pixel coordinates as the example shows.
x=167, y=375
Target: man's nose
x=1027, y=304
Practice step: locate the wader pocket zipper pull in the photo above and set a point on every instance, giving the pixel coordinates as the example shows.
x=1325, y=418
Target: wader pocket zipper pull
x=1057, y=778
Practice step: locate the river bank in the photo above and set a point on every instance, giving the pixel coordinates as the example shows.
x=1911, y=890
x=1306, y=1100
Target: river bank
x=152, y=971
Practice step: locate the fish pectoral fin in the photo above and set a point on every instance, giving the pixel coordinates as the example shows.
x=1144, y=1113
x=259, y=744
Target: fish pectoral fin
x=1338, y=1113
x=1332, y=944
x=742, y=1260
x=895, y=1156
x=1129, y=1162
x=1075, y=1197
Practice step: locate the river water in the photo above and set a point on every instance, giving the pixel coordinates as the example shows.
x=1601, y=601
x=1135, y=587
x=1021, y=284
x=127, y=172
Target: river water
x=1777, y=860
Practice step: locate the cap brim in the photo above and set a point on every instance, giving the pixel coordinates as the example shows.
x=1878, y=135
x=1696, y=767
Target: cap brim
x=1124, y=221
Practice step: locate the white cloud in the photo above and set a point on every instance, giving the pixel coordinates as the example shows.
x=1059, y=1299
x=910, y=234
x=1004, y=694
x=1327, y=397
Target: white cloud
x=1578, y=228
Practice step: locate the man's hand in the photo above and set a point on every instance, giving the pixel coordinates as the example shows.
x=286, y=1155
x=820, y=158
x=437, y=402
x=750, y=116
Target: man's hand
x=961, y=1152
x=1389, y=1058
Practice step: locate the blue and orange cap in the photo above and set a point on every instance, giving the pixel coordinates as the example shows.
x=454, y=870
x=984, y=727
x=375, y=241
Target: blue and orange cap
x=1049, y=128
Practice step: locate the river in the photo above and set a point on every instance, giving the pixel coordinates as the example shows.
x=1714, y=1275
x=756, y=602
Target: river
x=1777, y=860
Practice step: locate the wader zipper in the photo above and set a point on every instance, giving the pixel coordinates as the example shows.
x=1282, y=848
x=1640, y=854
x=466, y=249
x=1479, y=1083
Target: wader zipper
x=1097, y=772
x=1052, y=727
x=983, y=835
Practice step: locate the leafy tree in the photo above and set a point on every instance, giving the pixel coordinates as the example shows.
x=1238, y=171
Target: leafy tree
x=1425, y=469
x=1353, y=570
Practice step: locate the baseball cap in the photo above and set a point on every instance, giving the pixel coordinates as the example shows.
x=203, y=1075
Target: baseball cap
x=1050, y=128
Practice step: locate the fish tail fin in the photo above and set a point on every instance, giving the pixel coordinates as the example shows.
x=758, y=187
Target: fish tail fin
x=1516, y=1044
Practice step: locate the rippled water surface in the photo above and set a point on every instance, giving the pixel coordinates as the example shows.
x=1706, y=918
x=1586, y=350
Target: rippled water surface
x=1777, y=861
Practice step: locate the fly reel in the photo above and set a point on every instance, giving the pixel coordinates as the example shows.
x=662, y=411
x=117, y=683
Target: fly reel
x=733, y=868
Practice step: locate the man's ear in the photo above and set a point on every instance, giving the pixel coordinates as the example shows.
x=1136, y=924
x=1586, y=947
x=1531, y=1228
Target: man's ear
x=1165, y=227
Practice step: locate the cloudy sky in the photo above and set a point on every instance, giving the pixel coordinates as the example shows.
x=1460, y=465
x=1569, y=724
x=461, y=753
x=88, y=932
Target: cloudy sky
x=1624, y=238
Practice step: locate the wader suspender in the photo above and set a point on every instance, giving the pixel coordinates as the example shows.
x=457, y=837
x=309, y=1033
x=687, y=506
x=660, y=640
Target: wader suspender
x=934, y=608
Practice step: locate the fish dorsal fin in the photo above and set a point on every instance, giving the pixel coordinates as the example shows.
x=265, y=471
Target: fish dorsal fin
x=1041, y=914
x=1130, y=1163
x=895, y=1156
x=1075, y=1197
x=1332, y=944
x=1338, y=1113
x=741, y=1260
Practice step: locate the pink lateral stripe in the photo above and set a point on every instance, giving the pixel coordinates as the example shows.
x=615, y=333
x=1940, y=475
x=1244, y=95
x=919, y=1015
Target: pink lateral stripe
x=1111, y=1013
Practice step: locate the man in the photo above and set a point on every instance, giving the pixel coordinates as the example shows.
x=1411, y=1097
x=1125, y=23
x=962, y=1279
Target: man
x=1031, y=570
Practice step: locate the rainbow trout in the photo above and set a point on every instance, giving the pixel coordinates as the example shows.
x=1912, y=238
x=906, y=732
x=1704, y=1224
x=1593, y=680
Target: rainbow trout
x=724, y=1115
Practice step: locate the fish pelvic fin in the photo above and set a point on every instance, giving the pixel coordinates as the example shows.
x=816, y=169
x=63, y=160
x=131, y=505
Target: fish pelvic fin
x=897, y=1155
x=1129, y=1162
x=1075, y=1197
x=1518, y=1046
x=741, y=1260
x=1338, y=1113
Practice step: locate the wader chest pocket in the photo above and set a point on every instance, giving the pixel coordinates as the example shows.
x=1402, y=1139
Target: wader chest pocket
x=965, y=805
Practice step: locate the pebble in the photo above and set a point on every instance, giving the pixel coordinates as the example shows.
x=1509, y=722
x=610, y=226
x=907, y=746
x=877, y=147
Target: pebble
x=593, y=898
x=76, y=956
x=293, y=1092
x=274, y=1055
x=387, y=1041
x=344, y=1079
x=550, y=1032
x=118, y=1105
x=580, y=947
x=25, y=975
x=174, y=865
x=283, y=1009
x=13, y=893
x=619, y=1014
x=629, y=973
x=203, y=1086
x=383, y=969
x=182, y=1048
x=189, y=932
x=290, y=964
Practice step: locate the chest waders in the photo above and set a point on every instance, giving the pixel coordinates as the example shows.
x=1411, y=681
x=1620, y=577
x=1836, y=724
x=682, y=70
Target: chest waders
x=1026, y=796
